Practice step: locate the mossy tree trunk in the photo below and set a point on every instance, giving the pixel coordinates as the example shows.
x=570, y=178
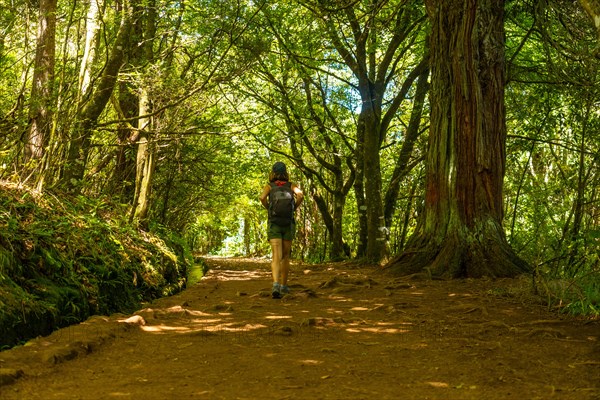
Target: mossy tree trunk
x=370, y=121
x=123, y=178
x=90, y=49
x=146, y=146
x=460, y=232
x=87, y=118
x=359, y=194
x=40, y=110
x=592, y=8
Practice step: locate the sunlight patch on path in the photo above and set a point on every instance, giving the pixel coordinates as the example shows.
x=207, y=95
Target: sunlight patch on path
x=376, y=330
x=231, y=275
x=278, y=317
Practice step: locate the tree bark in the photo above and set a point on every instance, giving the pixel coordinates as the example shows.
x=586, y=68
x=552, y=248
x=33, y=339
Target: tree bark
x=122, y=180
x=592, y=8
x=87, y=118
x=92, y=30
x=144, y=175
x=146, y=147
x=359, y=195
x=460, y=232
x=40, y=114
x=403, y=165
x=370, y=114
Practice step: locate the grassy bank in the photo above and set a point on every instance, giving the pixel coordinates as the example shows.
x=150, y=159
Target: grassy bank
x=64, y=259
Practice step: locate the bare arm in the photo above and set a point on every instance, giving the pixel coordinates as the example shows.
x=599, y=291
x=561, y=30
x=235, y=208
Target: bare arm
x=299, y=195
x=264, y=196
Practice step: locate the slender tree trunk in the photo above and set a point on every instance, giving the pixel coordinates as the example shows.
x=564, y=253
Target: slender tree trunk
x=127, y=134
x=403, y=167
x=583, y=178
x=592, y=8
x=337, y=239
x=460, y=233
x=333, y=221
x=359, y=194
x=92, y=29
x=87, y=118
x=247, y=236
x=376, y=237
x=408, y=212
x=145, y=164
x=40, y=114
x=146, y=147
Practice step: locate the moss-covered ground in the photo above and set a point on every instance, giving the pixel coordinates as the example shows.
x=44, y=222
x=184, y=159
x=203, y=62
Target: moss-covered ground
x=63, y=259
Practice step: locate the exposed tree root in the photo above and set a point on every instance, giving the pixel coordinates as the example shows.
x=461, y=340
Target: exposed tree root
x=461, y=254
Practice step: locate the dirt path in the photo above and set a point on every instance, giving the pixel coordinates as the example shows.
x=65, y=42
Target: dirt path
x=344, y=333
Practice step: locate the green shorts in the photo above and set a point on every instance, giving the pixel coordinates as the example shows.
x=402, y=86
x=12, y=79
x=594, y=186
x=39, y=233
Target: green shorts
x=281, y=232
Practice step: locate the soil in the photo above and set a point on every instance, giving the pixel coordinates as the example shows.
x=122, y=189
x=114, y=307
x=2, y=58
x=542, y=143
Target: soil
x=345, y=332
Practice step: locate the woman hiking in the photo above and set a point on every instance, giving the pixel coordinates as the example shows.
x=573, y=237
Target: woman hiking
x=281, y=198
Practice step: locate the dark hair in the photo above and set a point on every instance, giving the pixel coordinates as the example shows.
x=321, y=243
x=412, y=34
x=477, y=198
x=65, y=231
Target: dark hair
x=274, y=176
x=279, y=173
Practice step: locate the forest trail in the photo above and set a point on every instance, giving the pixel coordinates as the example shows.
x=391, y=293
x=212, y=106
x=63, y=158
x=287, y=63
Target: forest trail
x=343, y=333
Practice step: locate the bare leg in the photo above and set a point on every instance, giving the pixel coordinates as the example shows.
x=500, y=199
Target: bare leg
x=276, y=261
x=285, y=261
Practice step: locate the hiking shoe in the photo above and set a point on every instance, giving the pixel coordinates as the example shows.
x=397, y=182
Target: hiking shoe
x=276, y=291
x=284, y=289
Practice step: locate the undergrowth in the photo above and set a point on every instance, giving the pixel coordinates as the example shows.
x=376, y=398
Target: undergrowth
x=64, y=259
x=579, y=295
x=576, y=296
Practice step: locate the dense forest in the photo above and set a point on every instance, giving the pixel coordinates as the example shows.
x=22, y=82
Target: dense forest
x=460, y=137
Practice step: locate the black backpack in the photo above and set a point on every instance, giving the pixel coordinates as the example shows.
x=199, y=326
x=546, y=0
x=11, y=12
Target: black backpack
x=281, y=204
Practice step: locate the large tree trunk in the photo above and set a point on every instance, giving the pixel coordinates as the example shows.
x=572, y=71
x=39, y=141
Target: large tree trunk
x=460, y=233
x=337, y=239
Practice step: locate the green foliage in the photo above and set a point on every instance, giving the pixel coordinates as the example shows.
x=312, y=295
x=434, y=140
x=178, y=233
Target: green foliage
x=198, y=270
x=579, y=295
x=236, y=85
x=586, y=299
x=552, y=152
x=62, y=260
x=233, y=222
